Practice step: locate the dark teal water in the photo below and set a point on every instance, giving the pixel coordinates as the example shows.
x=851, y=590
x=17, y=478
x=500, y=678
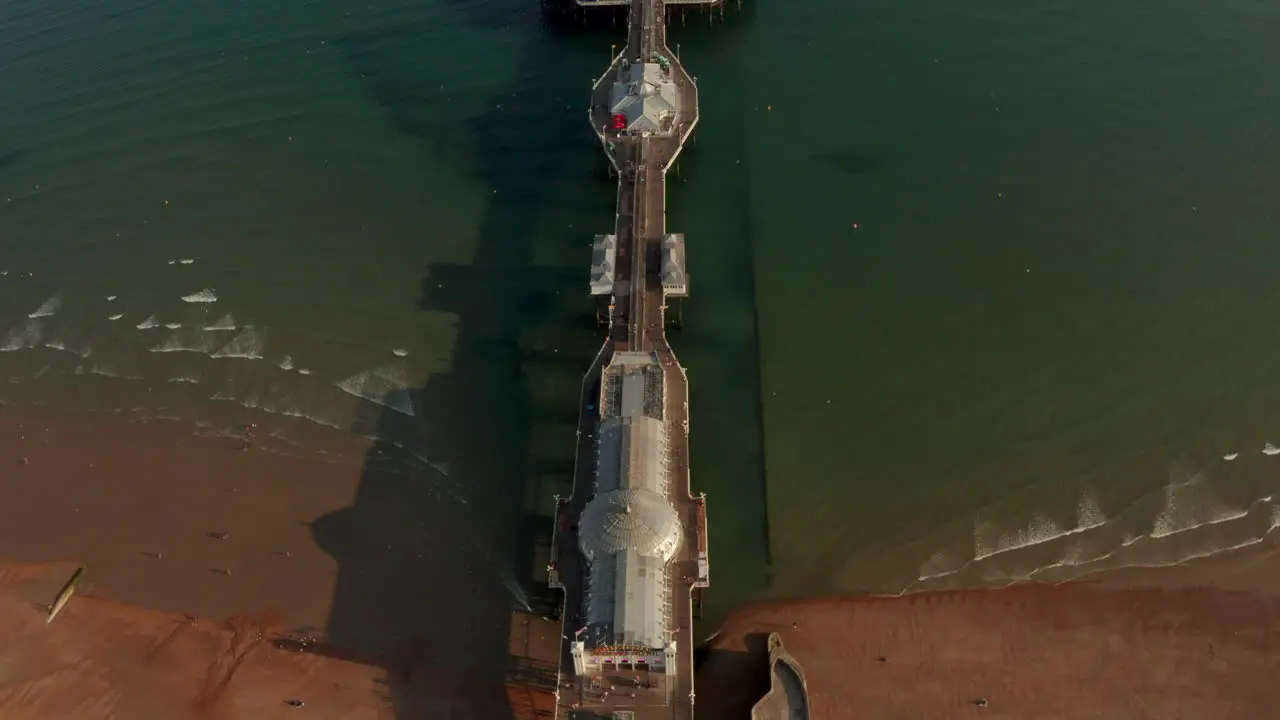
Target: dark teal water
x=979, y=290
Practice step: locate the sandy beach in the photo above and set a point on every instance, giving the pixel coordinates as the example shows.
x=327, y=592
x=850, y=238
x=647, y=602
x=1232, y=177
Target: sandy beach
x=225, y=581
x=1146, y=644
x=361, y=555
x=171, y=521
x=101, y=659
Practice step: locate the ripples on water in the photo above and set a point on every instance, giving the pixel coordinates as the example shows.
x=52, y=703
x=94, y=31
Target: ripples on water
x=136, y=136
x=224, y=362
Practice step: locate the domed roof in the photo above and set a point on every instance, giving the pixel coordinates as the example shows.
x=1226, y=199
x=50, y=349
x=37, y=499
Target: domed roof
x=629, y=519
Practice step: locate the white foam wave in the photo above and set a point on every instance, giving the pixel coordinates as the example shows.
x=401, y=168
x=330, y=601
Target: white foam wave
x=304, y=371
x=188, y=379
x=22, y=336
x=1072, y=557
x=1270, y=449
x=185, y=342
x=111, y=298
x=50, y=307
x=1272, y=526
x=56, y=345
x=1164, y=527
x=1188, y=506
x=938, y=565
x=186, y=261
x=247, y=344
x=115, y=317
x=295, y=412
x=399, y=352
x=1088, y=514
x=173, y=326
x=286, y=363
x=387, y=386
x=147, y=324
x=206, y=295
x=1040, y=530
x=1230, y=456
x=226, y=322
x=107, y=372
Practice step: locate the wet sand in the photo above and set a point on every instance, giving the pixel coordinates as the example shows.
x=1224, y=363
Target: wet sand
x=375, y=558
x=144, y=505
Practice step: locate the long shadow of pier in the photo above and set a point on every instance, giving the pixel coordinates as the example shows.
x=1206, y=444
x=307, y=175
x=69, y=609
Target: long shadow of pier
x=446, y=533
x=440, y=554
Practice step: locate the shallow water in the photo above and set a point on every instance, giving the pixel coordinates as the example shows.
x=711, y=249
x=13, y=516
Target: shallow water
x=979, y=290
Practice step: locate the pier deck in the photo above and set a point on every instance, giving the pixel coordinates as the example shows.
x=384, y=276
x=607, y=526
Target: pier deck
x=636, y=325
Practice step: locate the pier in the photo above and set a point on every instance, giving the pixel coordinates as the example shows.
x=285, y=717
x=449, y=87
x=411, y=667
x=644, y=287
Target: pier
x=629, y=548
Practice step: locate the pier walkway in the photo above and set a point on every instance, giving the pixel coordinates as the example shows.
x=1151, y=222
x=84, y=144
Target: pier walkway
x=630, y=543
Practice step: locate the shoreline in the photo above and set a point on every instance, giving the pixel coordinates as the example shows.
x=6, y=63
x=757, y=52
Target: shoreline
x=111, y=495
x=1155, y=645
x=1074, y=650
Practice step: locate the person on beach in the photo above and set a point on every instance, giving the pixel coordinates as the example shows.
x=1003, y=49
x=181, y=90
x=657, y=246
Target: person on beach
x=248, y=431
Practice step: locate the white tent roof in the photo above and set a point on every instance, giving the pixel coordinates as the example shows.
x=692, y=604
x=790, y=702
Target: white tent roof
x=645, y=95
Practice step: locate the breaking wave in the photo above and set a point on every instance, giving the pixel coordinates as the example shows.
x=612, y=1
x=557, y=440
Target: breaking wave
x=247, y=344
x=185, y=342
x=1188, y=505
x=1039, y=531
x=147, y=324
x=207, y=295
x=226, y=322
x=387, y=386
x=50, y=307
x=1073, y=561
x=23, y=336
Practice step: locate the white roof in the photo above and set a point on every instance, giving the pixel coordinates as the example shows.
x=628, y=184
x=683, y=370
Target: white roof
x=629, y=520
x=640, y=619
x=646, y=95
x=629, y=531
x=675, y=281
x=604, y=253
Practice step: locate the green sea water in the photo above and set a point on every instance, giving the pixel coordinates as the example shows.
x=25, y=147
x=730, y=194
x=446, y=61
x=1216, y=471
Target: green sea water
x=980, y=292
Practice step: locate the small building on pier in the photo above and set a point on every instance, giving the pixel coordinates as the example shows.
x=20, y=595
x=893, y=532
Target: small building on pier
x=644, y=99
x=604, y=254
x=675, y=280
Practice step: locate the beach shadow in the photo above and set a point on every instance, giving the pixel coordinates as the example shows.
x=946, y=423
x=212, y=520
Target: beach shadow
x=439, y=553
x=730, y=682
